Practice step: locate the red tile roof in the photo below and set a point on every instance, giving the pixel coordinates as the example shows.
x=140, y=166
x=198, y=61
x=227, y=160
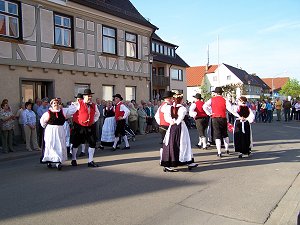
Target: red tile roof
x=195, y=74
x=278, y=82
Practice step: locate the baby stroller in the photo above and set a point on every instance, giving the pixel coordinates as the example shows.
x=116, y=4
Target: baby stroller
x=129, y=133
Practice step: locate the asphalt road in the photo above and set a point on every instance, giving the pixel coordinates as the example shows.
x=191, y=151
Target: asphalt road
x=130, y=187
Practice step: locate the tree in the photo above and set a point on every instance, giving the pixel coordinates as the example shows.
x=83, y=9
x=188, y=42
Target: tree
x=291, y=88
x=230, y=89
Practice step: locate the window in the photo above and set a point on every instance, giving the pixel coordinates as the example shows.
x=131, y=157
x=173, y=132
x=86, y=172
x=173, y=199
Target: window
x=176, y=74
x=161, y=71
x=131, y=45
x=109, y=40
x=32, y=89
x=154, y=71
x=10, y=17
x=79, y=88
x=153, y=47
x=130, y=93
x=107, y=92
x=63, y=30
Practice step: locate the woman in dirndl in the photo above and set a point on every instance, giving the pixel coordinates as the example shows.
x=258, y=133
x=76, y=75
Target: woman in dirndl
x=109, y=126
x=176, y=149
x=53, y=121
x=242, y=134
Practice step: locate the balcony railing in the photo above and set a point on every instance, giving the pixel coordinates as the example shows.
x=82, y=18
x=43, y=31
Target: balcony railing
x=161, y=81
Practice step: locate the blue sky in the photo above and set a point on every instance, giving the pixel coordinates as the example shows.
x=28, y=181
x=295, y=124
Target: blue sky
x=259, y=36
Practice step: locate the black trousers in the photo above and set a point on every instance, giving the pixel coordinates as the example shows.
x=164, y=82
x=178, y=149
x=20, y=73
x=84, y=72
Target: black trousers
x=83, y=134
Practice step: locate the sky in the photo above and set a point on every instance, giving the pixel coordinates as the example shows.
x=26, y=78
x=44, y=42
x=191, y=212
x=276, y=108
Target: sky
x=258, y=36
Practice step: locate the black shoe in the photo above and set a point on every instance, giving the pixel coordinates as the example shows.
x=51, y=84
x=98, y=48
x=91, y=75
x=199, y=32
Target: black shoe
x=49, y=165
x=59, y=166
x=114, y=149
x=169, y=169
x=198, y=146
x=240, y=156
x=81, y=154
x=92, y=164
x=219, y=155
x=206, y=148
x=192, y=165
x=74, y=163
x=227, y=152
x=126, y=148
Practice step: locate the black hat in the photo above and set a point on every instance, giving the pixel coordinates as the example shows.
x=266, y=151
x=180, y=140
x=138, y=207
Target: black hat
x=168, y=94
x=198, y=96
x=79, y=96
x=218, y=90
x=87, y=92
x=118, y=96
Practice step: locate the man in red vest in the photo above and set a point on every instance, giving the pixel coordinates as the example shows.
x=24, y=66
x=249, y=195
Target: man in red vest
x=85, y=129
x=159, y=116
x=216, y=108
x=121, y=113
x=201, y=118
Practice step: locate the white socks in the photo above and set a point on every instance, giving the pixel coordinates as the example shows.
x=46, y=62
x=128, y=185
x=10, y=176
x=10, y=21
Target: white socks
x=116, y=142
x=203, y=142
x=91, y=154
x=126, y=141
x=200, y=140
x=83, y=148
x=74, y=152
x=226, y=143
x=218, y=145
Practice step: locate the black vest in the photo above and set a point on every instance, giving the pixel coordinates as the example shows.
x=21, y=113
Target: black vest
x=56, y=118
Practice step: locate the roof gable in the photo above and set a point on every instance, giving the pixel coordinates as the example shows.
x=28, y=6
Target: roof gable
x=196, y=74
x=278, y=82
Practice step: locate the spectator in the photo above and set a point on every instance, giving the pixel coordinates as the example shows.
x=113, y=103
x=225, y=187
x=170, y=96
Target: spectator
x=7, y=125
x=287, y=110
x=29, y=119
x=133, y=118
x=19, y=117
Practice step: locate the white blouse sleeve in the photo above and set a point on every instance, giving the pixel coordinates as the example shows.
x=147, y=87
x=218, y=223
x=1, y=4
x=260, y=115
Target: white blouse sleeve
x=251, y=116
x=181, y=114
x=192, y=112
x=44, y=119
x=68, y=112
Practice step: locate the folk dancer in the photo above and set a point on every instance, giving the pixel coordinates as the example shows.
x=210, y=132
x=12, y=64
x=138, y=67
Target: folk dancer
x=109, y=126
x=121, y=114
x=159, y=115
x=242, y=134
x=196, y=111
x=177, y=143
x=216, y=108
x=54, y=133
x=88, y=114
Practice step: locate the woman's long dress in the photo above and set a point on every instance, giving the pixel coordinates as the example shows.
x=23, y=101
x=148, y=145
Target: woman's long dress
x=55, y=135
x=242, y=134
x=177, y=144
x=109, y=127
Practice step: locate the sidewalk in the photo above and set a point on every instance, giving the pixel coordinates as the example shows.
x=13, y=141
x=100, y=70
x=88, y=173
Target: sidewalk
x=19, y=152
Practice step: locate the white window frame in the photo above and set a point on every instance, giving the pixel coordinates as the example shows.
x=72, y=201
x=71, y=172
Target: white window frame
x=7, y=17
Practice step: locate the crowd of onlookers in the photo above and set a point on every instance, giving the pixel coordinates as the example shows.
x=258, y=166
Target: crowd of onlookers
x=140, y=121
